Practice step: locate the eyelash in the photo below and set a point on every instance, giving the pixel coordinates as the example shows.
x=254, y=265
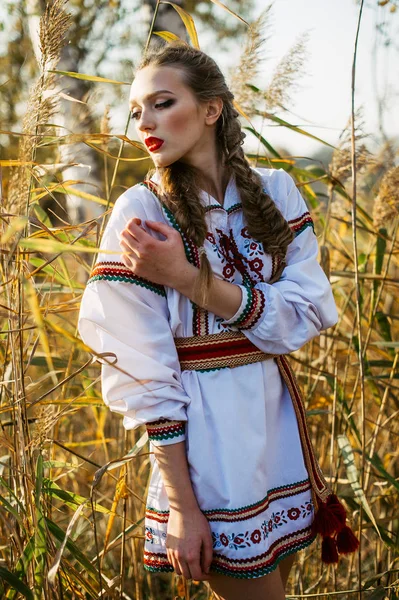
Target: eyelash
x=163, y=104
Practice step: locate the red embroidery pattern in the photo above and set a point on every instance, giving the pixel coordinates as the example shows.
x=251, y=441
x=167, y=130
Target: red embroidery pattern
x=244, y=539
x=243, y=513
x=249, y=568
x=230, y=252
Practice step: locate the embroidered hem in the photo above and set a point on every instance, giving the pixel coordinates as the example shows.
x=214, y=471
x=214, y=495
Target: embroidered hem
x=250, y=568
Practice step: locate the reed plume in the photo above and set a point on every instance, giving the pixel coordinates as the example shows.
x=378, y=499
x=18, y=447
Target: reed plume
x=42, y=102
x=285, y=78
x=250, y=62
x=341, y=161
x=386, y=204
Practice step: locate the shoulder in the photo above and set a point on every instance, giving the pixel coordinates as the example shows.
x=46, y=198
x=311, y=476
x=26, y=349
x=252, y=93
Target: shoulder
x=137, y=201
x=281, y=187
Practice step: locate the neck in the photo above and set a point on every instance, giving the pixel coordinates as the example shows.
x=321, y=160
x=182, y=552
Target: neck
x=214, y=181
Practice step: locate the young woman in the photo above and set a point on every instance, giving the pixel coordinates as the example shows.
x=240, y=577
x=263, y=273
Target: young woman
x=213, y=279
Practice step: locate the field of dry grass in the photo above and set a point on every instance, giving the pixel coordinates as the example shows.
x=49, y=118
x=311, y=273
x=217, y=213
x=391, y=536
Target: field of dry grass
x=73, y=481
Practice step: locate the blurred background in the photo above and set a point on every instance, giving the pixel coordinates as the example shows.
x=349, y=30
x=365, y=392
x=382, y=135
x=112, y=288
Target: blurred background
x=72, y=481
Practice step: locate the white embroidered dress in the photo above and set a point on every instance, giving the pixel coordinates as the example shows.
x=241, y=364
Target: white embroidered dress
x=243, y=447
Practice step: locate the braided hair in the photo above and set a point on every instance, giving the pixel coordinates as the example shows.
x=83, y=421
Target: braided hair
x=181, y=183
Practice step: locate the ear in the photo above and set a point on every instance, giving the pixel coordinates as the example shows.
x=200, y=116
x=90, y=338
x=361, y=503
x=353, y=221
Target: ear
x=213, y=110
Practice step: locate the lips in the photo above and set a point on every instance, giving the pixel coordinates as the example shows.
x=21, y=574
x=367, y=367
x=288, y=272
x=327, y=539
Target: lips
x=153, y=143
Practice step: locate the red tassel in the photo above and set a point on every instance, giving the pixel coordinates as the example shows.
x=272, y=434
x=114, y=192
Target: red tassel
x=347, y=541
x=326, y=521
x=337, y=508
x=329, y=553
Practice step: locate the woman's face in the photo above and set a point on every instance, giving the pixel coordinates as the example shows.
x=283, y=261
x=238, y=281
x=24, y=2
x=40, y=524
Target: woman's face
x=165, y=108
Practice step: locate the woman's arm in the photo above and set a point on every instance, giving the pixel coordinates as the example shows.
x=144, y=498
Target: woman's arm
x=189, y=540
x=224, y=298
x=164, y=262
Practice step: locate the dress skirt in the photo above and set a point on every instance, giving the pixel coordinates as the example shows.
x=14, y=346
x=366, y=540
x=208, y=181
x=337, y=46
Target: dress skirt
x=247, y=470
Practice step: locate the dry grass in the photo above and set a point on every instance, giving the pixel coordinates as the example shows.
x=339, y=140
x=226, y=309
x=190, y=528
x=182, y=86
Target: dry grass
x=72, y=529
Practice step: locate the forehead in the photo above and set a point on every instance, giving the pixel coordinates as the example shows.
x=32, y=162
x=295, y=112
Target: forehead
x=152, y=79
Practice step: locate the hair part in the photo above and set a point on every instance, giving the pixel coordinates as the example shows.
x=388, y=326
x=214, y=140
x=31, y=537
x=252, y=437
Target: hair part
x=180, y=183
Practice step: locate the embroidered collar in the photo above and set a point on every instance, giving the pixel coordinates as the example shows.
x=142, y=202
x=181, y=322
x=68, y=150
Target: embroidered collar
x=232, y=198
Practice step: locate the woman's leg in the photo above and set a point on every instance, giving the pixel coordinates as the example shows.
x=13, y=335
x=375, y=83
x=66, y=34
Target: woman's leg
x=285, y=568
x=269, y=587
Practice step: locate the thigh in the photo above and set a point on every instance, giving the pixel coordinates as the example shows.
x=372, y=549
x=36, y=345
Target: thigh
x=285, y=566
x=268, y=587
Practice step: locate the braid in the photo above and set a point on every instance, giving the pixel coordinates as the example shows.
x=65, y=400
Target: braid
x=265, y=222
x=180, y=192
x=180, y=182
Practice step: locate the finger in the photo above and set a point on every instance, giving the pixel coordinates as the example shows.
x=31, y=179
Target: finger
x=127, y=237
x=206, y=554
x=196, y=571
x=130, y=247
x=136, y=230
x=127, y=262
x=163, y=228
x=173, y=562
x=183, y=566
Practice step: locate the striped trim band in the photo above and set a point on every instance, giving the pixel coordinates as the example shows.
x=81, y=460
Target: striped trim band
x=253, y=309
x=301, y=223
x=243, y=513
x=117, y=271
x=226, y=349
x=164, y=429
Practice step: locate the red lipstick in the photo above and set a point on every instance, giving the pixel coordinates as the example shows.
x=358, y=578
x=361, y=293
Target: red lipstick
x=153, y=143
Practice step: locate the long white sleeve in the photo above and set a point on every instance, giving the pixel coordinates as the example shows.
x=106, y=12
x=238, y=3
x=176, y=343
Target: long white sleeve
x=281, y=317
x=128, y=316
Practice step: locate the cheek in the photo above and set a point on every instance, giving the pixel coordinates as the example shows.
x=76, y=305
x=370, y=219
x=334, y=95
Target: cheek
x=180, y=121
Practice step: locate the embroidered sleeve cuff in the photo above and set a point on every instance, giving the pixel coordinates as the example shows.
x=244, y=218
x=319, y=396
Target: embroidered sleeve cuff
x=164, y=432
x=250, y=311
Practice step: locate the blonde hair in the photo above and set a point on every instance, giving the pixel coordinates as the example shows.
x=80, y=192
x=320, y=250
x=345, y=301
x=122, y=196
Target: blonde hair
x=180, y=183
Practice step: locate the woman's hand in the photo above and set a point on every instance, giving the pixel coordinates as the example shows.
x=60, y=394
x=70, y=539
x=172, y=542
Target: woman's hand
x=189, y=544
x=160, y=261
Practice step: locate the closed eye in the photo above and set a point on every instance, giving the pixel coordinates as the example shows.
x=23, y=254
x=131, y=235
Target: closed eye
x=161, y=105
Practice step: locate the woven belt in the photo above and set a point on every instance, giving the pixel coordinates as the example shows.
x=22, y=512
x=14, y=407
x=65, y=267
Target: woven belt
x=218, y=350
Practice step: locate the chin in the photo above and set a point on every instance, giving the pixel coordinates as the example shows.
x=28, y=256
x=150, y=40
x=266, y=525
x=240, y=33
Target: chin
x=164, y=161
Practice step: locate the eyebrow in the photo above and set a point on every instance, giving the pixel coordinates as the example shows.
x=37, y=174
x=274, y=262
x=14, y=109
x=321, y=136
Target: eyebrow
x=134, y=103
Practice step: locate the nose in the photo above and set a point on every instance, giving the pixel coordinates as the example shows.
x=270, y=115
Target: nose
x=146, y=122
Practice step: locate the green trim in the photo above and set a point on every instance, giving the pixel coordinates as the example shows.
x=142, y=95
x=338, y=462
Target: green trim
x=254, y=574
x=130, y=279
x=246, y=309
x=165, y=436
x=167, y=430
x=265, y=570
x=303, y=227
x=235, y=510
x=175, y=225
x=165, y=569
x=234, y=207
x=213, y=207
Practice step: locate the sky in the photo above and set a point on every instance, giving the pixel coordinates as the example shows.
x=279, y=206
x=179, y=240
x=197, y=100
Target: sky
x=322, y=105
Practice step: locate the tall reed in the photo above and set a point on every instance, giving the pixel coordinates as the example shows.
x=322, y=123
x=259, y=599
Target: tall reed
x=73, y=482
